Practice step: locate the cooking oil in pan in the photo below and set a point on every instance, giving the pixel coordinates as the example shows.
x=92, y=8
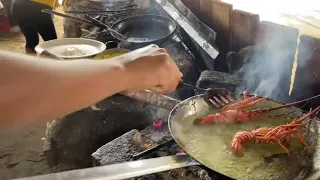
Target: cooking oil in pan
x=211, y=146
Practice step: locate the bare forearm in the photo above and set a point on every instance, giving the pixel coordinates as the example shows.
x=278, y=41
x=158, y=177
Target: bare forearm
x=47, y=89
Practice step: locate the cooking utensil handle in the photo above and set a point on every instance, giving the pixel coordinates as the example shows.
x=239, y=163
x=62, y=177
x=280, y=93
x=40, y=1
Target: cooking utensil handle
x=49, y=11
x=96, y=22
x=123, y=170
x=163, y=101
x=183, y=84
x=153, y=149
x=100, y=24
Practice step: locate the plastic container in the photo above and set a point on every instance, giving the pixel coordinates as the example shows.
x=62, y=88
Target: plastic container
x=157, y=124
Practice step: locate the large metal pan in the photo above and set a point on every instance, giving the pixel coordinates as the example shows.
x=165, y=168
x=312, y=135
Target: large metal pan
x=209, y=145
x=135, y=31
x=142, y=30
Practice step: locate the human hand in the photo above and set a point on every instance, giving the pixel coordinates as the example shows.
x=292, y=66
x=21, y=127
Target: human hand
x=151, y=68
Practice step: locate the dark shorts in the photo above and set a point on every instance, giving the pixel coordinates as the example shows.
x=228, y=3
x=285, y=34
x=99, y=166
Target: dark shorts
x=32, y=21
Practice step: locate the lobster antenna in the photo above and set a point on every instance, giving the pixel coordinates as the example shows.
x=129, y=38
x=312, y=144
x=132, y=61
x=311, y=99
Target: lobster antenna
x=286, y=105
x=308, y=115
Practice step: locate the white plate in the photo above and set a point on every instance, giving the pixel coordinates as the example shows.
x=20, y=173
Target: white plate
x=72, y=48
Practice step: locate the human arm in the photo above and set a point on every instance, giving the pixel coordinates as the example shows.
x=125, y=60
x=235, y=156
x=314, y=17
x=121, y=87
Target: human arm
x=34, y=89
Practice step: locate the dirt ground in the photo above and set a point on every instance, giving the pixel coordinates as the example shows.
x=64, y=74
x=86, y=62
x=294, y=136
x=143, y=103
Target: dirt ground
x=21, y=151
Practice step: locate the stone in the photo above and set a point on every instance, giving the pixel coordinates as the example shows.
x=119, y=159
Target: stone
x=133, y=142
x=4, y=154
x=236, y=60
x=34, y=155
x=120, y=149
x=158, y=136
x=11, y=162
x=215, y=79
x=182, y=59
x=72, y=139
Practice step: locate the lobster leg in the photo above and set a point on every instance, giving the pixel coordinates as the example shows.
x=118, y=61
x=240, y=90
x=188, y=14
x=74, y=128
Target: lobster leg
x=303, y=142
x=282, y=146
x=287, y=138
x=273, y=132
x=257, y=101
x=245, y=103
x=274, y=140
x=239, y=104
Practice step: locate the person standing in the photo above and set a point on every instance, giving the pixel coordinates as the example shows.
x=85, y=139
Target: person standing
x=32, y=21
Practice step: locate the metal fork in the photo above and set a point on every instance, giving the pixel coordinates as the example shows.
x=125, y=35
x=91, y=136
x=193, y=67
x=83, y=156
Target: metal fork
x=214, y=96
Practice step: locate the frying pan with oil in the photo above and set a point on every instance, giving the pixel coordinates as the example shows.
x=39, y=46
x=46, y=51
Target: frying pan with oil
x=209, y=145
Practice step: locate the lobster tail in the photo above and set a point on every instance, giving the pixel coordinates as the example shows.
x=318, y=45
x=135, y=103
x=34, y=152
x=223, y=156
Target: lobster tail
x=239, y=139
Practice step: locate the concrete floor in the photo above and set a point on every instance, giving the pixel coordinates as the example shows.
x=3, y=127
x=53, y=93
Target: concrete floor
x=15, y=41
x=21, y=152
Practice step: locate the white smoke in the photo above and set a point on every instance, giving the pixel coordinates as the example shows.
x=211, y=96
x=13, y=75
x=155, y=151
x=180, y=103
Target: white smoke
x=268, y=71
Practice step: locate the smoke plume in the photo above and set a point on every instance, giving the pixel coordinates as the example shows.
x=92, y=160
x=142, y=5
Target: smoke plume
x=268, y=70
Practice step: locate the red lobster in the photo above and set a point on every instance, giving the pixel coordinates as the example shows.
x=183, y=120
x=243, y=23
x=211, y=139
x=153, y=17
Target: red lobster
x=272, y=135
x=233, y=113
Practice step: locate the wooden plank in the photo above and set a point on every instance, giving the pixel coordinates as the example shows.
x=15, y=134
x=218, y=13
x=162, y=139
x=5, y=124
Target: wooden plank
x=307, y=79
x=309, y=60
x=243, y=29
x=220, y=16
x=193, y=5
x=206, y=12
x=206, y=8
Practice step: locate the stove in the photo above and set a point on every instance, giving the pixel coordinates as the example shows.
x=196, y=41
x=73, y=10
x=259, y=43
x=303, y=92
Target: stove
x=70, y=142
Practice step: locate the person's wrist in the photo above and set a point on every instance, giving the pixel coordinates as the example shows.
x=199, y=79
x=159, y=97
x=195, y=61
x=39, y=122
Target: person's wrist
x=126, y=74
